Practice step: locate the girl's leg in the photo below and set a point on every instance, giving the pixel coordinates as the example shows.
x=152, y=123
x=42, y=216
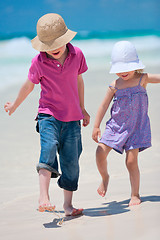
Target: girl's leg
x=132, y=166
x=101, y=160
x=44, y=181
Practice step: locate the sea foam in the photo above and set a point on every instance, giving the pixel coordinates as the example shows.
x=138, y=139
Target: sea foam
x=16, y=55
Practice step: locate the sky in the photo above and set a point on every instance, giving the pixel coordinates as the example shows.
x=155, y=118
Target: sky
x=17, y=16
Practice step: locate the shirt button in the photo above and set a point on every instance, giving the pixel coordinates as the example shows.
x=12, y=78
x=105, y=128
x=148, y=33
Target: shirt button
x=58, y=65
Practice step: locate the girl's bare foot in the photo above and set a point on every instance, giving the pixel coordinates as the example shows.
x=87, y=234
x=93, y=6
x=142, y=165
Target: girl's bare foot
x=103, y=186
x=135, y=200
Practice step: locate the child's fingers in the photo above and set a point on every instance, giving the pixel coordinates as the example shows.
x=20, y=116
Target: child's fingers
x=7, y=106
x=99, y=134
x=95, y=137
x=85, y=122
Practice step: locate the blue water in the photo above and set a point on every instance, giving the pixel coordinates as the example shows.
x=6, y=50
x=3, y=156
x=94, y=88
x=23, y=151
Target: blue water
x=16, y=54
x=17, y=16
x=99, y=25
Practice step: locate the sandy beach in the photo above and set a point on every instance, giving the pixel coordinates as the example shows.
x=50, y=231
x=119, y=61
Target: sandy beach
x=104, y=218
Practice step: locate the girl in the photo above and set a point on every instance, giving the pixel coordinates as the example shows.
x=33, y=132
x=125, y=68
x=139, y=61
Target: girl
x=129, y=126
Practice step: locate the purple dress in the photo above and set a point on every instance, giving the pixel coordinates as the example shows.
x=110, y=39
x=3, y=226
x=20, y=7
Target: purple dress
x=129, y=125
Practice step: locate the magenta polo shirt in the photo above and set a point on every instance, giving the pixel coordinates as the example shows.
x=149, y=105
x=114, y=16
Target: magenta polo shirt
x=59, y=89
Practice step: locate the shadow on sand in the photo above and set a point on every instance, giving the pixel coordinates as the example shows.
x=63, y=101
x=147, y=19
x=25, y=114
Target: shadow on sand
x=58, y=222
x=109, y=208
x=114, y=207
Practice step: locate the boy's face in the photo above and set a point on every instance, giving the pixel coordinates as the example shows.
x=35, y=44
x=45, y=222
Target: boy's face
x=56, y=54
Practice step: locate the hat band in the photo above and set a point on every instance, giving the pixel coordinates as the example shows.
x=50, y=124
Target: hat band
x=123, y=62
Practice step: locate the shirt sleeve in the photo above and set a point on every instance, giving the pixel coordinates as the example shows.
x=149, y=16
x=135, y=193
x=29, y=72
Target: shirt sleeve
x=83, y=65
x=33, y=74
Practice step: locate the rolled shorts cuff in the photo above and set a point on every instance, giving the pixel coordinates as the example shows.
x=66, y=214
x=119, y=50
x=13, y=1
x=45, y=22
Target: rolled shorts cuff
x=54, y=172
x=68, y=188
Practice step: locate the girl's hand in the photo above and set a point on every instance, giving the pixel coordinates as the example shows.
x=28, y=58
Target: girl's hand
x=9, y=107
x=96, y=134
x=86, y=119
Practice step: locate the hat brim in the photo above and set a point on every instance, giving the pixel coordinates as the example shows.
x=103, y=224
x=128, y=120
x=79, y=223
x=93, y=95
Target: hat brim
x=54, y=44
x=120, y=67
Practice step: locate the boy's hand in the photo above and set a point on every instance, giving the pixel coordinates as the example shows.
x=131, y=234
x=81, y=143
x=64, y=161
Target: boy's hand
x=9, y=107
x=96, y=134
x=86, y=119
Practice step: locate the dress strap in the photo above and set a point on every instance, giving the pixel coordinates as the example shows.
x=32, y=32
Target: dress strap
x=141, y=78
x=113, y=87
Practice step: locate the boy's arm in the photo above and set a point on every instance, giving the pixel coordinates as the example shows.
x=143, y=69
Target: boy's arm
x=86, y=118
x=25, y=90
x=101, y=112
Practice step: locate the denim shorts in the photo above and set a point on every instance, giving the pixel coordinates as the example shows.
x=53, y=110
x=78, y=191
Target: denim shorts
x=63, y=138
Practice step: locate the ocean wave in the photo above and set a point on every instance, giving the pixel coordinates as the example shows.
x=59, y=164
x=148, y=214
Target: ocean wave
x=16, y=48
x=21, y=47
x=88, y=35
x=16, y=55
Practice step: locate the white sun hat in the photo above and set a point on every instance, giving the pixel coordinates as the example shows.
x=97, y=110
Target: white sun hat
x=124, y=58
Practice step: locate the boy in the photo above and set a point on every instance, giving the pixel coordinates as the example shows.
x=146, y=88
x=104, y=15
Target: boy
x=58, y=68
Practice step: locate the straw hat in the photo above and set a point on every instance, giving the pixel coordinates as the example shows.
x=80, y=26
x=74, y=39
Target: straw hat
x=52, y=33
x=124, y=58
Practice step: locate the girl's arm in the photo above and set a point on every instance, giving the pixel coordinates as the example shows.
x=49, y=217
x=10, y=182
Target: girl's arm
x=101, y=112
x=152, y=78
x=25, y=90
x=86, y=118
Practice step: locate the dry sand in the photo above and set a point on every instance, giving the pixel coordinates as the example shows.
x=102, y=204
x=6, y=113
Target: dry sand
x=103, y=218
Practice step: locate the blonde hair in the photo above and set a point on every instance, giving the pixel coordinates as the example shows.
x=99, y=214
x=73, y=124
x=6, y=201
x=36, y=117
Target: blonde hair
x=139, y=71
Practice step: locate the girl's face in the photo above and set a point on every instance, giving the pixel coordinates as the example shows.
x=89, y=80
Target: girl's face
x=57, y=54
x=126, y=75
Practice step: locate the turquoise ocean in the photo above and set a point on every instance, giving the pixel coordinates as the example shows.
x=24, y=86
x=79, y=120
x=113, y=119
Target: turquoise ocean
x=16, y=53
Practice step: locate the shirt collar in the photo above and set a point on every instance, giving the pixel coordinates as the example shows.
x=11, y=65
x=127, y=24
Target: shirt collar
x=44, y=57
x=71, y=48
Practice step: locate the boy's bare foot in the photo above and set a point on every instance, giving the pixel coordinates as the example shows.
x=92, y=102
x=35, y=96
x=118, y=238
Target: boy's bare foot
x=103, y=187
x=49, y=208
x=45, y=205
x=135, y=200
x=71, y=211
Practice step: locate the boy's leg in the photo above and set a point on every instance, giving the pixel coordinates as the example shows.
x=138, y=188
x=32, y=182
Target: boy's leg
x=132, y=166
x=68, y=208
x=44, y=181
x=48, y=165
x=101, y=160
x=69, y=153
